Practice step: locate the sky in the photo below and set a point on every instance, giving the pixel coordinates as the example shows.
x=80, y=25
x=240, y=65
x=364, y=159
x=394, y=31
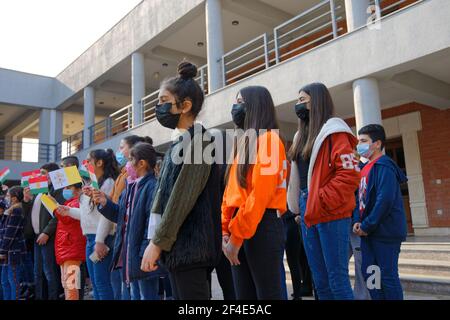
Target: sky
x=45, y=36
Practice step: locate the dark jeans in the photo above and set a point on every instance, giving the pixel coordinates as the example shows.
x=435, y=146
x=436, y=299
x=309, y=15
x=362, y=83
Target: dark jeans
x=225, y=277
x=327, y=248
x=46, y=269
x=191, y=284
x=27, y=269
x=383, y=255
x=258, y=277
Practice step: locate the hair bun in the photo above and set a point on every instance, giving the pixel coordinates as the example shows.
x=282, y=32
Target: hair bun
x=187, y=70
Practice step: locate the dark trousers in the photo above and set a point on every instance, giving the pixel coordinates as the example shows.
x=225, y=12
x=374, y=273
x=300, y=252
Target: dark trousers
x=258, y=277
x=225, y=278
x=293, y=248
x=191, y=284
x=46, y=271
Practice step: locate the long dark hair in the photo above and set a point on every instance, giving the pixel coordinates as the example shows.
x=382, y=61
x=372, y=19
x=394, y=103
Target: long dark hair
x=134, y=139
x=110, y=164
x=183, y=87
x=260, y=115
x=322, y=109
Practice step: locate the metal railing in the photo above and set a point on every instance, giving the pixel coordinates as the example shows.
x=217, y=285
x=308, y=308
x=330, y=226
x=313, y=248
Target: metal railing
x=119, y=121
x=27, y=151
x=202, y=78
x=385, y=7
x=70, y=145
x=148, y=106
x=249, y=58
x=315, y=26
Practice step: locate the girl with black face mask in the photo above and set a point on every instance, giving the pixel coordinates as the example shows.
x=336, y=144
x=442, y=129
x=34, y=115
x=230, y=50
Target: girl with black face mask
x=184, y=224
x=324, y=177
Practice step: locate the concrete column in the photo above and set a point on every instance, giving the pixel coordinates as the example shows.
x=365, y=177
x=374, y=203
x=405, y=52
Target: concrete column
x=89, y=114
x=214, y=43
x=356, y=13
x=44, y=134
x=366, y=102
x=137, y=86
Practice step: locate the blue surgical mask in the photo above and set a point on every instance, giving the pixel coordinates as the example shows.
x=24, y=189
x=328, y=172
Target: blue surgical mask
x=121, y=158
x=363, y=150
x=67, y=194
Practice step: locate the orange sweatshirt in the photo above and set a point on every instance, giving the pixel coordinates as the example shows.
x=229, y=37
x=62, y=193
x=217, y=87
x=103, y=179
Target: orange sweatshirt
x=266, y=189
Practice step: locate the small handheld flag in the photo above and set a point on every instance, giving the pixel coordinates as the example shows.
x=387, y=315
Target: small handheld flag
x=49, y=203
x=38, y=185
x=27, y=175
x=83, y=170
x=65, y=177
x=92, y=175
x=4, y=174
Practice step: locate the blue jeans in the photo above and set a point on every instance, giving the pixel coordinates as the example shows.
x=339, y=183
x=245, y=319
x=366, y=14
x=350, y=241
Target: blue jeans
x=385, y=256
x=116, y=283
x=145, y=289
x=10, y=282
x=100, y=272
x=327, y=249
x=45, y=269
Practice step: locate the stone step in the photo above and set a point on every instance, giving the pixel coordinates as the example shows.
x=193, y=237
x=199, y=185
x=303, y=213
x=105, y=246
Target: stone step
x=421, y=266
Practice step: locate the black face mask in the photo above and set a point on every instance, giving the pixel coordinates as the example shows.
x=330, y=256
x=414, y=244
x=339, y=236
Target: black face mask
x=302, y=112
x=238, y=114
x=165, y=117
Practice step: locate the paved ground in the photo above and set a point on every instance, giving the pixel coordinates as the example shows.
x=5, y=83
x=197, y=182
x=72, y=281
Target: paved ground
x=217, y=292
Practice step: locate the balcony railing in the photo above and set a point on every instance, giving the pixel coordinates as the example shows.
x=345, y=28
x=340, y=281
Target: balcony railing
x=119, y=121
x=148, y=106
x=27, y=151
x=313, y=27
x=202, y=78
x=70, y=145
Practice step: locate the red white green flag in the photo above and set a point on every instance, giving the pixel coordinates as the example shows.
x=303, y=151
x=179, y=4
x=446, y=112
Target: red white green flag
x=83, y=170
x=27, y=175
x=92, y=176
x=4, y=174
x=38, y=185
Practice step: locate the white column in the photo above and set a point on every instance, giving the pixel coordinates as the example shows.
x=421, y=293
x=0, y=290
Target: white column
x=366, y=102
x=214, y=44
x=89, y=115
x=356, y=13
x=137, y=86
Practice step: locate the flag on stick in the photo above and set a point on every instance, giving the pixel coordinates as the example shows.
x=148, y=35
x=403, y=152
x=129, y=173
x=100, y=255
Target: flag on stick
x=65, y=177
x=4, y=174
x=38, y=185
x=49, y=203
x=27, y=175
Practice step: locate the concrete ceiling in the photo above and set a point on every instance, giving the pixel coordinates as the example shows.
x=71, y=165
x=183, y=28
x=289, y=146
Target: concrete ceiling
x=7, y=113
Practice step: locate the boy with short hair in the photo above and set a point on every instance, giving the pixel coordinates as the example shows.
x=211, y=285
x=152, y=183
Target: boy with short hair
x=382, y=225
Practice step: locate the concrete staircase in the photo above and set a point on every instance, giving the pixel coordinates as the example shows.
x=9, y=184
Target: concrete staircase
x=424, y=268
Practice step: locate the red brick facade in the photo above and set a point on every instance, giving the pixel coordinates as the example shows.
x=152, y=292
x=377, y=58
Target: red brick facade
x=434, y=141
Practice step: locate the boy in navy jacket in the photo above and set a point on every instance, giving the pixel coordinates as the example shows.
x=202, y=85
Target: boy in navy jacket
x=382, y=221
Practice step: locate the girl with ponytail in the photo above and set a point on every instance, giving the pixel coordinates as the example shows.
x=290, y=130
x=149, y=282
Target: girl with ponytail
x=98, y=230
